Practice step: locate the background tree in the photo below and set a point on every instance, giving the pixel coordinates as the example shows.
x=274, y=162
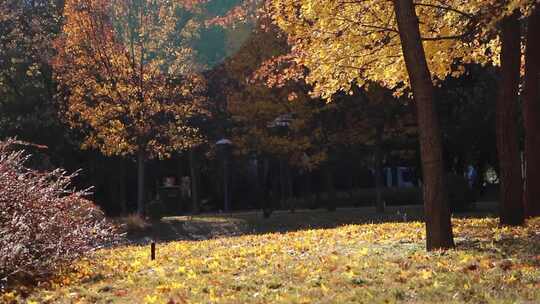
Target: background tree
x=531, y=114
x=511, y=206
x=129, y=78
x=26, y=87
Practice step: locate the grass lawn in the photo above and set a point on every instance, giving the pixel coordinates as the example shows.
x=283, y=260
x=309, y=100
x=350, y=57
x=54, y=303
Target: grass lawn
x=360, y=263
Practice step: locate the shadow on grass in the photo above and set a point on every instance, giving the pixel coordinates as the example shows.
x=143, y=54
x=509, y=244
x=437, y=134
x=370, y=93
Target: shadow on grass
x=210, y=226
x=523, y=250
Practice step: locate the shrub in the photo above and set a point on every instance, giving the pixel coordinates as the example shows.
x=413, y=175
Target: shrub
x=133, y=223
x=44, y=222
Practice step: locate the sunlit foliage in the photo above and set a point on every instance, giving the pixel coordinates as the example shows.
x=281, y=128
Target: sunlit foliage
x=128, y=74
x=347, y=42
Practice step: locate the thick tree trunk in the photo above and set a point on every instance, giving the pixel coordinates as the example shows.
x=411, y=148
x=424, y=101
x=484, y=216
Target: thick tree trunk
x=531, y=115
x=378, y=168
x=437, y=214
x=511, y=188
x=195, y=181
x=141, y=158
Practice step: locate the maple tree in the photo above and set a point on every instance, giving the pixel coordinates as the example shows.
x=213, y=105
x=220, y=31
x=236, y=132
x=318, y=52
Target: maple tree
x=314, y=137
x=128, y=74
x=271, y=124
x=438, y=225
x=362, y=43
x=342, y=43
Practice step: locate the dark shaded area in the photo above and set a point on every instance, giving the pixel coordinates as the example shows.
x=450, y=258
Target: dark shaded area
x=209, y=226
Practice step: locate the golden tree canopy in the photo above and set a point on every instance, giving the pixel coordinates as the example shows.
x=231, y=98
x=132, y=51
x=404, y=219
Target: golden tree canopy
x=128, y=74
x=350, y=42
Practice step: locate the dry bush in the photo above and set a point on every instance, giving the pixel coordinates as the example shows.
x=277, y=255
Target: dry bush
x=133, y=223
x=44, y=222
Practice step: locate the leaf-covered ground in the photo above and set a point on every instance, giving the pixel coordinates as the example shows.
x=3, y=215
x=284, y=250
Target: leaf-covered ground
x=368, y=263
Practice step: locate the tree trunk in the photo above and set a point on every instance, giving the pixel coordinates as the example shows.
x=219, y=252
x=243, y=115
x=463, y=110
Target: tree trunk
x=290, y=187
x=141, y=158
x=226, y=185
x=308, y=196
x=122, y=187
x=179, y=169
x=378, y=168
x=330, y=188
x=195, y=181
x=437, y=214
x=531, y=115
x=282, y=184
x=510, y=197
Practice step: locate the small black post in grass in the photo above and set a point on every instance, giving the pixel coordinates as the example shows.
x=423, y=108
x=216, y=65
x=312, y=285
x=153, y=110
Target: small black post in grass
x=153, y=250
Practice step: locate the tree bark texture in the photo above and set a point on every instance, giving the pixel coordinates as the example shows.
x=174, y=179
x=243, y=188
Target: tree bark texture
x=511, y=186
x=378, y=168
x=531, y=115
x=195, y=181
x=437, y=213
x=141, y=159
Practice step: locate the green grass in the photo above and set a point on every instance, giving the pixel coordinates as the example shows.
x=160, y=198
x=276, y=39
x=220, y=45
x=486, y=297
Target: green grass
x=361, y=263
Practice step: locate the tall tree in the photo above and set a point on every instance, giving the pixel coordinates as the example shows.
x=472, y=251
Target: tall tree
x=364, y=43
x=510, y=198
x=531, y=114
x=128, y=75
x=437, y=213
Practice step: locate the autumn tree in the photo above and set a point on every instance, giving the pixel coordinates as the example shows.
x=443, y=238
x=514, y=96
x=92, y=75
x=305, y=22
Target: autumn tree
x=438, y=225
x=258, y=113
x=364, y=42
x=127, y=72
x=27, y=29
x=342, y=43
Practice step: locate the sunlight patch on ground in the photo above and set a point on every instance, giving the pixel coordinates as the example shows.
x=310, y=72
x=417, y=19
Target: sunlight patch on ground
x=369, y=263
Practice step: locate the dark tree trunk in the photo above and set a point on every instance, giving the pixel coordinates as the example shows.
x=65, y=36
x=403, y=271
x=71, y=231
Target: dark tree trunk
x=195, y=181
x=265, y=189
x=226, y=185
x=282, y=184
x=179, y=169
x=511, y=188
x=122, y=187
x=308, y=195
x=330, y=188
x=141, y=158
x=378, y=168
x=290, y=190
x=438, y=225
x=531, y=115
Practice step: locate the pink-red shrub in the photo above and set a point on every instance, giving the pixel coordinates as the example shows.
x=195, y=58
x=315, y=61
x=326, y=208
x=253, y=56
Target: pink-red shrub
x=44, y=222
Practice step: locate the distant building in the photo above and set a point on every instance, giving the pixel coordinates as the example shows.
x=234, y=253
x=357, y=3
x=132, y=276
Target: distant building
x=399, y=177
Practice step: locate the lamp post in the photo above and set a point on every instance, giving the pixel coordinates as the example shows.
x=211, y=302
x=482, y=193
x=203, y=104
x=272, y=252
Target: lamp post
x=224, y=147
x=280, y=127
